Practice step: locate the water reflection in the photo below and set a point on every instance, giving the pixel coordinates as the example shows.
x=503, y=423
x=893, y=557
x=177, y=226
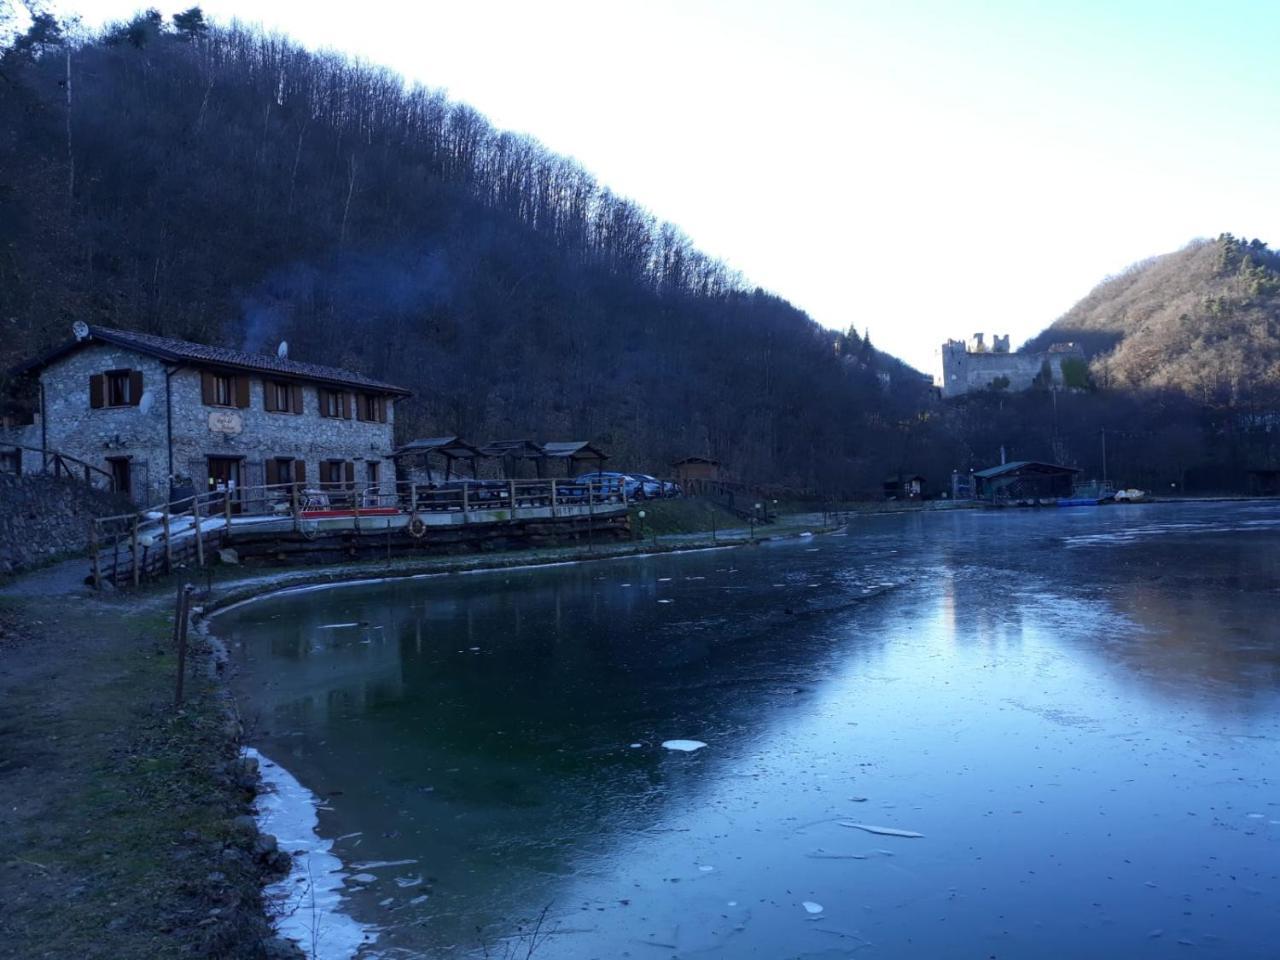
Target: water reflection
x=484, y=726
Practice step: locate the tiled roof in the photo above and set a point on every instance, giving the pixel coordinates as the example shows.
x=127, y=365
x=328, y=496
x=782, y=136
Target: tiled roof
x=167, y=348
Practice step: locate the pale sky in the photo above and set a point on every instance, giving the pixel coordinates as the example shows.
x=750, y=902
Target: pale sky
x=923, y=170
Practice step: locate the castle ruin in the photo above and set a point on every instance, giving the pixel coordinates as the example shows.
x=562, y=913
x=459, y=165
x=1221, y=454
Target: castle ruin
x=974, y=365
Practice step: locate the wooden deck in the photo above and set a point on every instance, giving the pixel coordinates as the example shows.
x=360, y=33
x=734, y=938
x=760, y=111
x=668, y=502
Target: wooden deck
x=284, y=523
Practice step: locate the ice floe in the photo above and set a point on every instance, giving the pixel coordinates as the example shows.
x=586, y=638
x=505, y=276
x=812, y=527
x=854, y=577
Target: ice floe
x=685, y=746
x=882, y=831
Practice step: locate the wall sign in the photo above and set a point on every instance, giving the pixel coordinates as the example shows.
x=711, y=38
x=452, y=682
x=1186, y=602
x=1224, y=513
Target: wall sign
x=228, y=422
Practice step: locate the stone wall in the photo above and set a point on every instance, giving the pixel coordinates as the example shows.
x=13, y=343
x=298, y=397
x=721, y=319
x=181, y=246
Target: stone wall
x=43, y=518
x=140, y=432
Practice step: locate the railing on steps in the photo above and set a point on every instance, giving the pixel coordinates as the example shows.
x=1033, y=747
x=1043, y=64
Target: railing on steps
x=131, y=547
x=62, y=465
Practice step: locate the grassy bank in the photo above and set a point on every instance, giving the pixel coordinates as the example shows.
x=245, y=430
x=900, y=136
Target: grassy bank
x=118, y=834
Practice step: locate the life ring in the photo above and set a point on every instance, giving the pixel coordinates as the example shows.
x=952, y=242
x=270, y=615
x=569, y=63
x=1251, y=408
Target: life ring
x=309, y=529
x=417, y=526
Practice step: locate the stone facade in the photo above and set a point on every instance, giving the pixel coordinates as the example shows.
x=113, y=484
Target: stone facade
x=171, y=435
x=973, y=366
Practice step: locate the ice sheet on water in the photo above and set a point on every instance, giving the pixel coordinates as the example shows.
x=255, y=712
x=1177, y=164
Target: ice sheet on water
x=811, y=907
x=881, y=831
x=685, y=746
x=336, y=626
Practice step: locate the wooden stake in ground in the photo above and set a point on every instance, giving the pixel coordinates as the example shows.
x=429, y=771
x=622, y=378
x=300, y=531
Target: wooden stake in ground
x=180, y=627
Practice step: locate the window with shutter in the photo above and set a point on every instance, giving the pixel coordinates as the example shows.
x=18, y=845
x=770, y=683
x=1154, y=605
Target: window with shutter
x=218, y=389
x=333, y=404
x=121, y=388
x=242, y=391
x=97, y=391
x=281, y=397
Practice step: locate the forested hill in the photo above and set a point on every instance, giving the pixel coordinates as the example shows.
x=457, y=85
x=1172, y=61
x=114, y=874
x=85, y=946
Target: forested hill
x=1204, y=321
x=230, y=187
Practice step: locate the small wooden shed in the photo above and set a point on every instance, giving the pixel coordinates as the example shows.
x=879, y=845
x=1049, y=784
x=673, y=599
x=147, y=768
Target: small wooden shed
x=692, y=472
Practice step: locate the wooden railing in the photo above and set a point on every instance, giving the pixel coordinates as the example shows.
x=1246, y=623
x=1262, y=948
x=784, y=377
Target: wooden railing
x=62, y=465
x=130, y=547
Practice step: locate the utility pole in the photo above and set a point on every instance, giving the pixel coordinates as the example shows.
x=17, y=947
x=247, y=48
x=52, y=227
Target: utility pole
x=1104, y=454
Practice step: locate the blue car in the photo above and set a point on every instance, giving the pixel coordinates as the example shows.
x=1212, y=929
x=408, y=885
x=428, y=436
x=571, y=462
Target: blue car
x=613, y=483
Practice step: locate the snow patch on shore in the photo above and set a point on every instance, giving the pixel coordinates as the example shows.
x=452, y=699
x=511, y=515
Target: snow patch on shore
x=309, y=899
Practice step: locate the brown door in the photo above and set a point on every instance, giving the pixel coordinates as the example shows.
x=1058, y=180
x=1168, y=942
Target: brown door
x=224, y=481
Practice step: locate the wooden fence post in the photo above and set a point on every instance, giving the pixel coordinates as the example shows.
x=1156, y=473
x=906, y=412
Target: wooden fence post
x=195, y=515
x=168, y=543
x=553, y=498
x=512, y=494
x=184, y=606
x=293, y=503
x=93, y=554
x=133, y=549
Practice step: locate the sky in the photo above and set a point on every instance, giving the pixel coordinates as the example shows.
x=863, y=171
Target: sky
x=918, y=170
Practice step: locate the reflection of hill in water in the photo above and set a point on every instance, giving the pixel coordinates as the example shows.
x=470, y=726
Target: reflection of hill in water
x=506, y=767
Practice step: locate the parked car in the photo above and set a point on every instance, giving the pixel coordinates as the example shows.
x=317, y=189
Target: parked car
x=613, y=482
x=650, y=487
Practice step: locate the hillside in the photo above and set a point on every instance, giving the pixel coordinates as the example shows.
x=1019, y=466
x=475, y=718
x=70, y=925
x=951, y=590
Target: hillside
x=1204, y=321
x=229, y=187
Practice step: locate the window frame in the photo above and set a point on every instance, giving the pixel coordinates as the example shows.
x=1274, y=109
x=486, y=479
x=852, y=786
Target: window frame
x=220, y=380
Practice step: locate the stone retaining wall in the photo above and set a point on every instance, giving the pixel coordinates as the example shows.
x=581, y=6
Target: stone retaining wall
x=43, y=518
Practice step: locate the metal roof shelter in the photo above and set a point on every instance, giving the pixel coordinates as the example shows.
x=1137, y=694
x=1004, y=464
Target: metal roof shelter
x=1024, y=480
x=451, y=448
x=203, y=355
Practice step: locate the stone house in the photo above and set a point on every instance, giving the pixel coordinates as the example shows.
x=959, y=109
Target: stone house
x=163, y=415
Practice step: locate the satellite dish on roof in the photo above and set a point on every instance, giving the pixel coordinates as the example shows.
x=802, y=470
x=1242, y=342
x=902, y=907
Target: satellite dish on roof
x=145, y=401
x=80, y=329
x=282, y=351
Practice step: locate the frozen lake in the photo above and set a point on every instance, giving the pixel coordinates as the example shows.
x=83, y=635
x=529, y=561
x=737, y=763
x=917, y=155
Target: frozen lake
x=1063, y=727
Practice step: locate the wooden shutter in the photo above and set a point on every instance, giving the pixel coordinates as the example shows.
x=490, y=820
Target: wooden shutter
x=346, y=405
x=135, y=387
x=349, y=470
x=382, y=409
x=273, y=472
x=97, y=390
x=269, y=397
x=208, y=391
x=361, y=402
x=241, y=386
x=295, y=398
x=299, y=471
